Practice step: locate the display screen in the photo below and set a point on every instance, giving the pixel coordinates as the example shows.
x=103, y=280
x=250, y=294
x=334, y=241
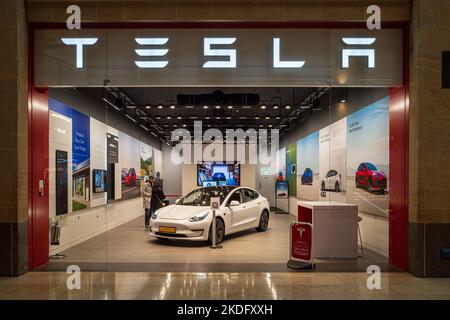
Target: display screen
x=211, y=174
x=99, y=181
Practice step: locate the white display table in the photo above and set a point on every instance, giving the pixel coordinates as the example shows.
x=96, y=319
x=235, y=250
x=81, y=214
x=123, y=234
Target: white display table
x=335, y=227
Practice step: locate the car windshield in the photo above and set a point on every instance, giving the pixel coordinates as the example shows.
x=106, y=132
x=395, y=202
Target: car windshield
x=202, y=196
x=371, y=166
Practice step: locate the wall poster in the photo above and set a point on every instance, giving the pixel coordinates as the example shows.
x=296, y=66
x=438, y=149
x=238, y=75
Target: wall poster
x=291, y=168
x=368, y=158
x=308, y=167
x=81, y=179
x=129, y=155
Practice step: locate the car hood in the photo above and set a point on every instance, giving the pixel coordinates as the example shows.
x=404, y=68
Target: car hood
x=176, y=212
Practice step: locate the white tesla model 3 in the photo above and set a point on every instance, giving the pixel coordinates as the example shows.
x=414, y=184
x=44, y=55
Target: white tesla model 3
x=190, y=217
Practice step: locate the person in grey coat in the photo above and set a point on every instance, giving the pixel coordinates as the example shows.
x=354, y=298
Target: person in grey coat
x=147, y=197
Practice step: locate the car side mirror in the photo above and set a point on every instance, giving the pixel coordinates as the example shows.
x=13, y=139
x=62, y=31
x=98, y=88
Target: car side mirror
x=234, y=203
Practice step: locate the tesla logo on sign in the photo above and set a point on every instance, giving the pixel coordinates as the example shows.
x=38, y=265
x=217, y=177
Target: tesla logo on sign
x=153, y=48
x=369, y=53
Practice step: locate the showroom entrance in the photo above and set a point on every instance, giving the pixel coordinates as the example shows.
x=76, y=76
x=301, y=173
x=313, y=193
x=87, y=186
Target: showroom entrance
x=106, y=105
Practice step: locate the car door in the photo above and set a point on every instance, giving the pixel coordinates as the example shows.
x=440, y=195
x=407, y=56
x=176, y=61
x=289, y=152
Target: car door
x=333, y=179
x=328, y=180
x=237, y=212
x=252, y=211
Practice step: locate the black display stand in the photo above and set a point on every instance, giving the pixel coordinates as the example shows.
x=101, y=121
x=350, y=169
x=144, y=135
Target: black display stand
x=277, y=211
x=298, y=265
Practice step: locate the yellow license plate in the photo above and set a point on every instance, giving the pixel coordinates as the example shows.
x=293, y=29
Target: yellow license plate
x=167, y=229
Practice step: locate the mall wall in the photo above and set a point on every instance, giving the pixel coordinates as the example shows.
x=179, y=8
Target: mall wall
x=90, y=213
x=374, y=228
x=429, y=140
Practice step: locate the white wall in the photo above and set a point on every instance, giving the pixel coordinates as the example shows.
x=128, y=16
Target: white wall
x=171, y=174
x=98, y=131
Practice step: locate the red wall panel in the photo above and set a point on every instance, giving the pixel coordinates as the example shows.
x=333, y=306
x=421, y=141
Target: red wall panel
x=398, y=177
x=38, y=203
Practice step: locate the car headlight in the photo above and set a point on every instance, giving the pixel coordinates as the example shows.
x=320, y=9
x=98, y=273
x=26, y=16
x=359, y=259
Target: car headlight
x=199, y=216
x=155, y=214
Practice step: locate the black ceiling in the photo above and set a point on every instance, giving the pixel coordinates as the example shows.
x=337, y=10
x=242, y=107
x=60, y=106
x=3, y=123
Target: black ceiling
x=162, y=110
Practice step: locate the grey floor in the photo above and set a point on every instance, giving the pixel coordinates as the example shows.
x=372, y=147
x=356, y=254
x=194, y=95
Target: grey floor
x=129, y=247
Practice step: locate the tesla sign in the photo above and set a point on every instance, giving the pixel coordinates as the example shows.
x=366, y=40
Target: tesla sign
x=200, y=57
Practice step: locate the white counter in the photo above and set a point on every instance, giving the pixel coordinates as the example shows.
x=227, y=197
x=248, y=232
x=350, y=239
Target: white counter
x=335, y=227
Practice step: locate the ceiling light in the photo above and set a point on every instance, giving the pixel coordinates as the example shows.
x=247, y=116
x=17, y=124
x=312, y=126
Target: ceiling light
x=175, y=125
x=267, y=118
x=288, y=107
x=158, y=118
x=278, y=118
x=172, y=107
x=179, y=118
x=228, y=118
x=275, y=107
x=111, y=104
x=217, y=107
x=263, y=107
x=230, y=107
x=217, y=117
x=130, y=117
x=169, y=117
x=205, y=107
x=208, y=118
x=184, y=125
x=144, y=127
x=343, y=101
x=147, y=107
x=256, y=117
x=160, y=107
x=270, y=126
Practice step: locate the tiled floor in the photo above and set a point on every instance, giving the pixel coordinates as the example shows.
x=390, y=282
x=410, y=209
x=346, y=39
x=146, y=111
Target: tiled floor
x=129, y=285
x=129, y=247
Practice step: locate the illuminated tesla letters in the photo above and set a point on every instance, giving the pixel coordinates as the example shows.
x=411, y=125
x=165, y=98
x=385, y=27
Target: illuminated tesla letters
x=79, y=43
x=369, y=53
x=230, y=53
x=152, y=52
x=153, y=49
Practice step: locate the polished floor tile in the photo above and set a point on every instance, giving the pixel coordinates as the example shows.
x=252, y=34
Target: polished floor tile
x=244, y=286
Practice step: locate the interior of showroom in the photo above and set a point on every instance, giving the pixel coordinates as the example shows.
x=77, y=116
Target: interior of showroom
x=342, y=144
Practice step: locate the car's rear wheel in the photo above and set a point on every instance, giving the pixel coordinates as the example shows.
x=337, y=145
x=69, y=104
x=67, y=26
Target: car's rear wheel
x=220, y=231
x=337, y=188
x=263, y=221
x=323, y=186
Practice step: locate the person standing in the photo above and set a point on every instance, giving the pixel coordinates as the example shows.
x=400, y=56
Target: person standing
x=157, y=194
x=147, y=199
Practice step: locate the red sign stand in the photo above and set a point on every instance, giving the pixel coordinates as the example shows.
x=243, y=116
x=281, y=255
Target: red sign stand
x=300, y=246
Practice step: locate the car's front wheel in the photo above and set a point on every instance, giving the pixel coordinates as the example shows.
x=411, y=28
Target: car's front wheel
x=263, y=221
x=220, y=231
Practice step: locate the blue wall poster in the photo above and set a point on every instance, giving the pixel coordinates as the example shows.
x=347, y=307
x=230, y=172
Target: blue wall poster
x=80, y=153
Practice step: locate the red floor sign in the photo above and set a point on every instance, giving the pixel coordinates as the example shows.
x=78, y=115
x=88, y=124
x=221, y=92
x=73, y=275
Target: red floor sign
x=301, y=241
